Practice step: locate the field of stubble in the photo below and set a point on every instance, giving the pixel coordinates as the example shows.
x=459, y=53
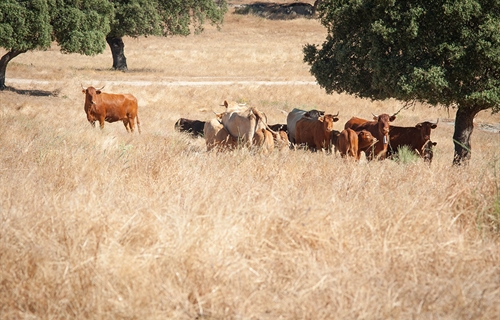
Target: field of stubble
x=109, y=225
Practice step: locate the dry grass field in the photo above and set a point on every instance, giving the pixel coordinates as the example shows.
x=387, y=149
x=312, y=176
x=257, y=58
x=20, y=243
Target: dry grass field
x=101, y=224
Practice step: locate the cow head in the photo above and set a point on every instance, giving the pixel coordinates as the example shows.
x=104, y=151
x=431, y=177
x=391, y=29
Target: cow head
x=425, y=128
x=366, y=139
x=328, y=120
x=313, y=114
x=91, y=95
x=383, y=124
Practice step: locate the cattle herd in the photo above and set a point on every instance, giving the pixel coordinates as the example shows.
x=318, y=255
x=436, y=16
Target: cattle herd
x=242, y=126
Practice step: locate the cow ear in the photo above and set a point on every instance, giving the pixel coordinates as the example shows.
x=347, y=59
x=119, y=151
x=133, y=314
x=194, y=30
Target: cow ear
x=226, y=104
x=434, y=143
x=83, y=91
x=392, y=118
x=335, y=119
x=98, y=91
x=434, y=126
x=375, y=117
x=418, y=125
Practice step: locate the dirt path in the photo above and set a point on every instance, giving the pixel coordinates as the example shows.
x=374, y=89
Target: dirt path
x=175, y=83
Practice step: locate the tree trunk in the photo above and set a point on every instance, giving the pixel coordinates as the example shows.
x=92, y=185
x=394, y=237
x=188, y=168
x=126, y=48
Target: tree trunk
x=3, y=64
x=315, y=5
x=117, y=50
x=461, y=137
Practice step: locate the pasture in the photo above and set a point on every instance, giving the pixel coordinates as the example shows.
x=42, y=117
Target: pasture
x=103, y=224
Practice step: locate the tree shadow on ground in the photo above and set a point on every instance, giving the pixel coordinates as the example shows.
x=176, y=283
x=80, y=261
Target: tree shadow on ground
x=34, y=92
x=278, y=11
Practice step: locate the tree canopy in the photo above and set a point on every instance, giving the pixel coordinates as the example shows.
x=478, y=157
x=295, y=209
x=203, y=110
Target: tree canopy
x=438, y=52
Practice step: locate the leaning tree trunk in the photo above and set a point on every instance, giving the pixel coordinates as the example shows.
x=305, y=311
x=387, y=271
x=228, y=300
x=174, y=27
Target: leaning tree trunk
x=463, y=131
x=117, y=50
x=3, y=64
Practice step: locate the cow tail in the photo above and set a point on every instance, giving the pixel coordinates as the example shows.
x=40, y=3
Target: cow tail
x=262, y=117
x=138, y=123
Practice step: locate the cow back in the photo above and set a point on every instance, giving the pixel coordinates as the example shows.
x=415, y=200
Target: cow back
x=217, y=137
x=116, y=107
x=348, y=143
x=294, y=116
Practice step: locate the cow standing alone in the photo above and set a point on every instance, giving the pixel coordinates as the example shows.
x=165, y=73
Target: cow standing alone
x=100, y=106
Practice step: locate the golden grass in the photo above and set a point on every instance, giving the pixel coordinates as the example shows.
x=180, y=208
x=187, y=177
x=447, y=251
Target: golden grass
x=105, y=224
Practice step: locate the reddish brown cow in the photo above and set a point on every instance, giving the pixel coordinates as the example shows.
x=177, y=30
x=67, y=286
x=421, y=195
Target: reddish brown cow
x=379, y=128
x=348, y=143
x=351, y=143
x=100, y=106
x=264, y=140
x=413, y=137
x=315, y=133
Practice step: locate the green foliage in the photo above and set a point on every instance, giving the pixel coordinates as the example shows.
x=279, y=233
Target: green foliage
x=81, y=26
x=441, y=51
x=164, y=17
x=24, y=25
x=406, y=155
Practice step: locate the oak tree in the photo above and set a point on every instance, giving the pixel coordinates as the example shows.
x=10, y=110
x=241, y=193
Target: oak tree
x=441, y=52
x=76, y=26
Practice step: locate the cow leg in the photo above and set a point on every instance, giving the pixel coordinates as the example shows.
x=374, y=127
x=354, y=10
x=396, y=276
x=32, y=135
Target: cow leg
x=126, y=123
x=101, y=122
x=131, y=124
x=92, y=123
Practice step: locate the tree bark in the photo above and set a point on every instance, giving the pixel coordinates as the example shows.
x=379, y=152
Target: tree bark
x=117, y=50
x=463, y=131
x=3, y=64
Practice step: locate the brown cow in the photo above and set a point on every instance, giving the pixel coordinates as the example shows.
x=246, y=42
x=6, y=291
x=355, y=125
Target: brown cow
x=263, y=139
x=100, y=106
x=351, y=143
x=194, y=127
x=348, y=143
x=281, y=140
x=295, y=115
x=413, y=137
x=315, y=133
x=379, y=128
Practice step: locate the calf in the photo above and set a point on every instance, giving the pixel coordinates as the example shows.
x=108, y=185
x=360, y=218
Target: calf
x=351, y=143
x=263, y=139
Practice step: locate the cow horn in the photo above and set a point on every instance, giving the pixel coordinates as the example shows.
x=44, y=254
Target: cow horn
x=376, y=116
x=336, y=115
x=83, y=87
x=437, y=121
x=100, y=88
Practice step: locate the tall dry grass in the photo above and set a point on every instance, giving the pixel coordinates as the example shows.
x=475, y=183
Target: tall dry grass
x=105, y=224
